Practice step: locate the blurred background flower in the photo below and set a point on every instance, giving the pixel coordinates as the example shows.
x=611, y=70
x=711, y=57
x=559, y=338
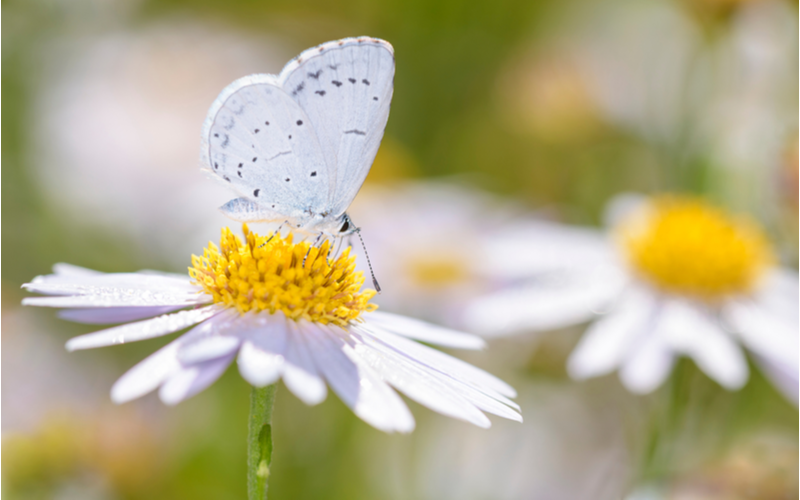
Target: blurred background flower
x=508, y=116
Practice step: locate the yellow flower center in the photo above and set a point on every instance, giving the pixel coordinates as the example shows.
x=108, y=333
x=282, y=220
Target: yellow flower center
x=274, y=274
x=685, y=245
x=437, y=270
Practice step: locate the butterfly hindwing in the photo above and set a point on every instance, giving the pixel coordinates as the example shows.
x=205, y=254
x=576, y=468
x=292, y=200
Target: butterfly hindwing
x=261, y=142
x=345, y=87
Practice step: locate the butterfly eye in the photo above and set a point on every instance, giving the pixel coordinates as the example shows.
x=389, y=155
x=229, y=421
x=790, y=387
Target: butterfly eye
x=345, y=226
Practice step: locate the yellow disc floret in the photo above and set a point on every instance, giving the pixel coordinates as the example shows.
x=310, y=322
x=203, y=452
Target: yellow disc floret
x=275, y=274
x=685, y=245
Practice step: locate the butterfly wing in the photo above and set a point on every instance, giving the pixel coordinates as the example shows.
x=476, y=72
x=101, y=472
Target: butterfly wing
x=261, y=143
x=345, y=87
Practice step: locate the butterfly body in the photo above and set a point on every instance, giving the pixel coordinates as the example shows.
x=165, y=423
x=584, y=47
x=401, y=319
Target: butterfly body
x=296, y=147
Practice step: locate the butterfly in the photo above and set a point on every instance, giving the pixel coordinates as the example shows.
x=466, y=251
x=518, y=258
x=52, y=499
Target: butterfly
x=296, y=147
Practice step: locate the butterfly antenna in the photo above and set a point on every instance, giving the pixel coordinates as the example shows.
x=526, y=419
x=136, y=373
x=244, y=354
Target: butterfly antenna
x=374, y=281
x=277, y=231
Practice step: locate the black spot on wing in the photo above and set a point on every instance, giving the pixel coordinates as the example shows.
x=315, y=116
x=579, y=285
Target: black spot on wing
x=314, y=173
x=351, y=80
x=299, y=88
x=336, y=82
x=287, y=179
x=255, y=193
x=255, y=158
x=365, y=81
x=226, y=178
x=320, y=92
x=241, y=165
x=315, y=76
x=230, y=124
x=239, y=172
x=299, y=122
x=354, y=131
x=256, y=131
x=333, y=66
x=266, y=123
x=375, y=98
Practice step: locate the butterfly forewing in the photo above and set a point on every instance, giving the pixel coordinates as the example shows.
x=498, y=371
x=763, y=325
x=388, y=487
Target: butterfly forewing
x=301, y=144
x=261, y=142
x=345, y=87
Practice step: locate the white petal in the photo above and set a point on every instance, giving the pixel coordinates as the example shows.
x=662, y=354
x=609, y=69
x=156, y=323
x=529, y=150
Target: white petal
x=448, y=365
x=147, y=375
x=429, y=386
x=108, y=315
x=691, y=330
x=142, y=330
x=426, y=332
x=64, y=269
x=208, y=348
x=355, y=383
x=261, y=358
x=764, y=332
x=550, y=302
x=532, y=248
x=161, y=365
x=188, y=381
x=83, y=284
x=784, y=376
x=299, y=373
x=647, y=365
x=606, y=342
x=779, y=294
x=259, y=368
x=120, y=298
x=421, y=386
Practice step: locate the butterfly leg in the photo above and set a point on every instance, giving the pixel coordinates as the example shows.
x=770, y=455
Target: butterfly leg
x=316, y=242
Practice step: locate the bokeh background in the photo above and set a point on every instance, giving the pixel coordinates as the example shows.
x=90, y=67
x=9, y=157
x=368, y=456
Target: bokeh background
x=544, y=108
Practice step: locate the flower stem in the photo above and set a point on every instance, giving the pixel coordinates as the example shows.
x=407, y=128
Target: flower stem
x=259, y=441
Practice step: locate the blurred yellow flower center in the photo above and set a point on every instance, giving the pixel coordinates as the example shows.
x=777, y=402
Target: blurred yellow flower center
x=262, y=274
x=685, y=245
x=437, y=270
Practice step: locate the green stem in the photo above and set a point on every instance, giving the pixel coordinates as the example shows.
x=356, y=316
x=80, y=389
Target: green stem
x=259, y=441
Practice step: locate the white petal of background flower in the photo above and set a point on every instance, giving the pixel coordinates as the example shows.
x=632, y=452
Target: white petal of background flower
x=549, y=302
x=692, y=330
x=607, y=341
x=530, y=248
x=648, y=363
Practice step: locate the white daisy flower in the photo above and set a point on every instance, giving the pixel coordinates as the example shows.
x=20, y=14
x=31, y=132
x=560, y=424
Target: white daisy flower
x=676, y=276
x=284, y=310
